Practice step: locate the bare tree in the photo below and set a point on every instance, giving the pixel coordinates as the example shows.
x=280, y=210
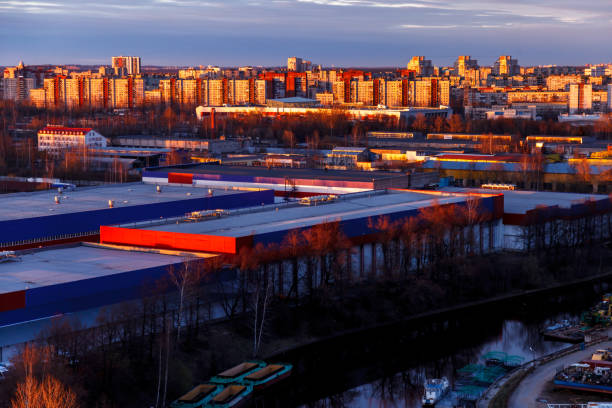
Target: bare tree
x=186, y=278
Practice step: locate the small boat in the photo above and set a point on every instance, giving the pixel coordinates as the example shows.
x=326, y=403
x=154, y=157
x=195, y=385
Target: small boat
x=237, y=373
x=563, y=324
x=198, y=396
x=267, y=376
x=232, y=396
x=435, y=389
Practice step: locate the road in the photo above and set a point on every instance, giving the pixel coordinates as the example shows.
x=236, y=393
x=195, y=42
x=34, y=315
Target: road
x=532, y=386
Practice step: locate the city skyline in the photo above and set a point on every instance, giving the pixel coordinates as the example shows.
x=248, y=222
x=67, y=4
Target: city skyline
x=329, y=32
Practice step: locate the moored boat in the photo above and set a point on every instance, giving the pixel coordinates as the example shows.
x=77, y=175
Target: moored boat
x=588, y=375
x=198, y=397
x=237, y=373
x=435, y=389
x=232, y=396
x=267, y=376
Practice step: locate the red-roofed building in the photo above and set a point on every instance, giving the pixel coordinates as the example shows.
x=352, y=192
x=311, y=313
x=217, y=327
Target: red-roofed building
x=56, y=138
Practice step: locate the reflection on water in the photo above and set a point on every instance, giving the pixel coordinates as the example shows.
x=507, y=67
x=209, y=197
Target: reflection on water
x=404, y=389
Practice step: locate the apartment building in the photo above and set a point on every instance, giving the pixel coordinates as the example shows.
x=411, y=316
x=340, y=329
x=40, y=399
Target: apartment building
x=463, y=64
x=430, y=92
x=393, y=93
x=17, y=89
x=562, y=82
x=580, y=98
x=420, y=66
x=69, y=93
x=126, y=65
x=295, y=64
x=505, y=65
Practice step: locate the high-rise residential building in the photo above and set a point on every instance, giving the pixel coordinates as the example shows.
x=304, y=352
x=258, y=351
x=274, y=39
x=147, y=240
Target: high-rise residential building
x=505, y=65
x=37, y=97
x=126, y=92
x=580, y=97
x=18, y=88
x=560, y=82
x=68, y=93
x=239, y=91
x=126, y=65
x=420, y=66
x=597, y=70
x=393, y=93
x=216, y=92
x=295, y=64
x=364, y=92
x=338, y=89
x=430, y=92
x=463, y=63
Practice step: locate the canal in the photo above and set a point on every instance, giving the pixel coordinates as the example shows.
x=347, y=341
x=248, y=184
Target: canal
x=387, y=366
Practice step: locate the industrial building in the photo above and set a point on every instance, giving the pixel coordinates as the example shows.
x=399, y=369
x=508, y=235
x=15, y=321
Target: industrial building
x=42, y=283
x=284, y=181
x=43, y=216
x=270, y=225
x=525, y=209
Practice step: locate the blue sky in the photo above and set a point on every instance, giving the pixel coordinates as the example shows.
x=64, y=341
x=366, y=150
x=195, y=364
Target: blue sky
x=339, y=32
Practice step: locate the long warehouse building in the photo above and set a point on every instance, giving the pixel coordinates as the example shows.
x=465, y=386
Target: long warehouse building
x=51, y=216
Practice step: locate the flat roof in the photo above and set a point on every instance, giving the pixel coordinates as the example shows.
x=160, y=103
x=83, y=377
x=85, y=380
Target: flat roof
x=521, y=201
x=280, y=172
x=41, y=203
x=67, y=264
x=284, y=219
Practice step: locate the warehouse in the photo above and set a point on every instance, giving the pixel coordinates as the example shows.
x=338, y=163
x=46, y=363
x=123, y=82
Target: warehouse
x=46, y=282
x=524, y=211
x=271, y=224
x=267, y=230
x=53, y=215
x=285, y=181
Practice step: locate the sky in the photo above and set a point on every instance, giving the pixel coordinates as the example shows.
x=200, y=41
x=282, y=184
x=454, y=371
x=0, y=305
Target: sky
x=364, y=33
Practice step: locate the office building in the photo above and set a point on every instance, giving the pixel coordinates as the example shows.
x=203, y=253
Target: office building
x=55, y=139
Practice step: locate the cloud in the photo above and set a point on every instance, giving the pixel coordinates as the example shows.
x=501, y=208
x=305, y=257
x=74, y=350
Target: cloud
x=427, y=26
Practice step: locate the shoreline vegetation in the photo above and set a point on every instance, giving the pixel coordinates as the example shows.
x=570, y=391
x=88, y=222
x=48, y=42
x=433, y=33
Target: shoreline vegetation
x=143, y=349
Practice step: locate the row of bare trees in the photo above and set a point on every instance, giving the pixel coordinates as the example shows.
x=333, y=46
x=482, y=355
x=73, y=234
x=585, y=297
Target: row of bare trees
x=145, y=346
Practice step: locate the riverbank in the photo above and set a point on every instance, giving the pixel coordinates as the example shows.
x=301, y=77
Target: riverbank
x=536, y=390
x=521, y=388
x=358, y=334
